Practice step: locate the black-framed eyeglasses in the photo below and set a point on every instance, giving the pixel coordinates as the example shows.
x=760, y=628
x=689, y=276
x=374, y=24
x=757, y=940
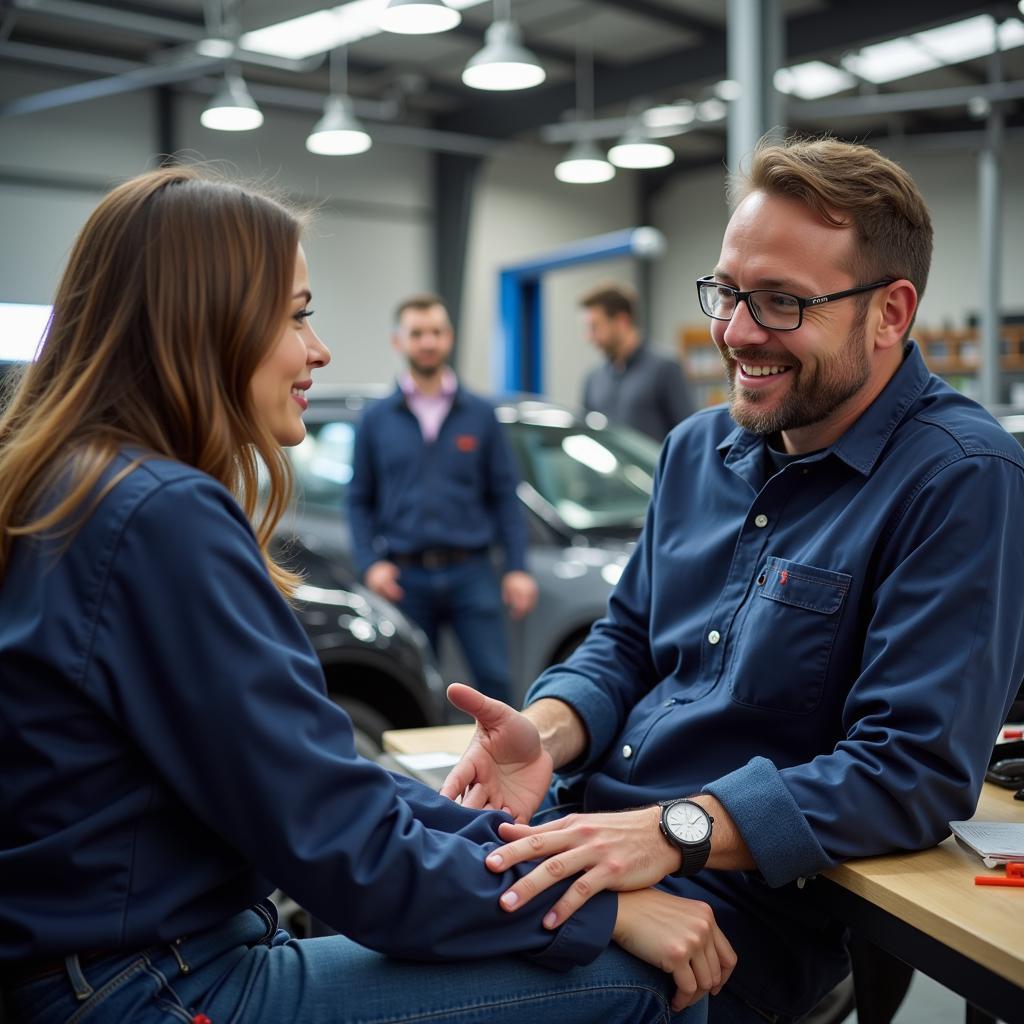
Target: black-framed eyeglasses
x=774, y=310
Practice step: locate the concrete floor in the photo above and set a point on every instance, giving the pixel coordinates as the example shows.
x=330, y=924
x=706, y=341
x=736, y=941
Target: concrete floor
x=927, y=1002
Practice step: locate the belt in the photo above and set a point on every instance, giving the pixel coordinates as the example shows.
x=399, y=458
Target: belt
x=438, y=558
x=23, y=971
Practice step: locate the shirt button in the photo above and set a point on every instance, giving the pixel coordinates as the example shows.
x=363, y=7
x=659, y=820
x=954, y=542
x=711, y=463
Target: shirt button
x=714, y=636
x=761, y=520
x=627, y=751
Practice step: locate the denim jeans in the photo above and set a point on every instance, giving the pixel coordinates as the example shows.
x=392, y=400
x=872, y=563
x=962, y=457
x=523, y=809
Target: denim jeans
x=466, y=596
x=247, y=971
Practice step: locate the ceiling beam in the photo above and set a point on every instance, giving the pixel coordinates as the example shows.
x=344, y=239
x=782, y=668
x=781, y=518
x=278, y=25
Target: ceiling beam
x=670, y=16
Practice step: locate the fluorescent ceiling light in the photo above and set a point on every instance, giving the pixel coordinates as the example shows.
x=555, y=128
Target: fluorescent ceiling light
x=584, y=165
x=504, y=63
x=712, y=109
x=888, y=61
x=338, y=132
x=325, y=30
x=938, y=47
x=813, y=80
x=232, y=109
x=671, y=115
x=22, y=327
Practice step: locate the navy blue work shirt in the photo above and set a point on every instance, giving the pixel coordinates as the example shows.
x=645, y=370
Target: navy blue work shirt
x=168, y=755
x=459, y=490
x=829, y=650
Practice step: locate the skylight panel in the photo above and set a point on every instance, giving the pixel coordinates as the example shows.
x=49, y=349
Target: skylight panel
x=321, y=31
x=813, y=80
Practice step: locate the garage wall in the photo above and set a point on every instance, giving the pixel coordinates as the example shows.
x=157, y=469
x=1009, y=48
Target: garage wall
x=371, y=241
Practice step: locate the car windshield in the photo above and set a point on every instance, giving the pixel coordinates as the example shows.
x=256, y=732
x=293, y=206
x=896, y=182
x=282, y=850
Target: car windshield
x=594, y=477
x=323, y=465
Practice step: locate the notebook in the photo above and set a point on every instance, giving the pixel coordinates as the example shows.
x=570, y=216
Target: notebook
x=995, y=842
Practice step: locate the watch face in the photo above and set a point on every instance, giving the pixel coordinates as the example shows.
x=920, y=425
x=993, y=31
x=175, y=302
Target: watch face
x=688, y=822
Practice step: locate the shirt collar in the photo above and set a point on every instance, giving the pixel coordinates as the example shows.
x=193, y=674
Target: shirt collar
x=449, y=385
x=862, y=444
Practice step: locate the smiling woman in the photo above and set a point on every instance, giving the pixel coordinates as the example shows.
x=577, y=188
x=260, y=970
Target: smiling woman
x=167, y=743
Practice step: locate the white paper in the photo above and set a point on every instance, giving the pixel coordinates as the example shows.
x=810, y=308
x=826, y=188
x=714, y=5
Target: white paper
x=995, y=842
x=426, y=761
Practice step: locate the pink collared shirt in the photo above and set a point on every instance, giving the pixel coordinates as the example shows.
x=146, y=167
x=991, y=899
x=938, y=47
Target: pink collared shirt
x=430, y=410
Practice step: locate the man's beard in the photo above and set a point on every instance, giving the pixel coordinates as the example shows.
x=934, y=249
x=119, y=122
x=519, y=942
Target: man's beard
x=426, y=369
x=813, y=394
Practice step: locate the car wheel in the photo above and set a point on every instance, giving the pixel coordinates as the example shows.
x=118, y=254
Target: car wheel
x=368, y=724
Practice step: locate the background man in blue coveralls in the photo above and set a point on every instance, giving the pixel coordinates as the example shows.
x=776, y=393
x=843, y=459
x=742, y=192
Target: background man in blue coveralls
x=819, y=633
x=433, y=488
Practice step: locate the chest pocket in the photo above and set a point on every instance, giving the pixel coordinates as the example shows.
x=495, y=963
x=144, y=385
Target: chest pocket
x=782, y=649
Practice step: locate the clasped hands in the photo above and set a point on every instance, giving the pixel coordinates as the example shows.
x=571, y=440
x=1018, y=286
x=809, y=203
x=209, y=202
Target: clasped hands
x=506, y=767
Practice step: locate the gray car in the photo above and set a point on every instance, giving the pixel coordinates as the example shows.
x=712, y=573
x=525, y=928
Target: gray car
x=585, y=489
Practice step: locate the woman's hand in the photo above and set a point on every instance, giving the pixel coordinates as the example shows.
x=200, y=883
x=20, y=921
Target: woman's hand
x=505, y=767
x=678, y=936
x=620, y=850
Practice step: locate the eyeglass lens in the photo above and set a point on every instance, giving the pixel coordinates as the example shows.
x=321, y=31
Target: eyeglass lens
x=778, y=310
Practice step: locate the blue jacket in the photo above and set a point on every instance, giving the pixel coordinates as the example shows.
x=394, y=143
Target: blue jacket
x=168, y=755
x=830, y=651
x=458, y=491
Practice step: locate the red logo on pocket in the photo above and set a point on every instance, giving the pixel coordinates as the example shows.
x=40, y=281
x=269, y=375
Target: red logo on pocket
x=466, y=443
x=783, y=576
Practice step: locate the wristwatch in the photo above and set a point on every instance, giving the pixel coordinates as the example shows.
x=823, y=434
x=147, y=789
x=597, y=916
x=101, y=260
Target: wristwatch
x=687, y=826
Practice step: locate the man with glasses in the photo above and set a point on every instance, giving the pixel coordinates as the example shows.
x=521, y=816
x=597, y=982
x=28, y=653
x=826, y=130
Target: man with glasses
x=819, y=632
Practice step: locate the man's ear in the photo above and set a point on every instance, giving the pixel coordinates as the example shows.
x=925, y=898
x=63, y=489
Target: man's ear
x=892, y=317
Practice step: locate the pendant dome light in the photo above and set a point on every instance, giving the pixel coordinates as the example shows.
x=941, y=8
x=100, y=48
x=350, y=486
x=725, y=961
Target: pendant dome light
x=636, y=151
x=232, y=108
x=584, y=164
x=418, y=17
x=503, y=64
x=339, y=132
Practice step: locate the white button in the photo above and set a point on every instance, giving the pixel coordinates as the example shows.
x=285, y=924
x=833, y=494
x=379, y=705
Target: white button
x=714, y=636
x=761, y=520
x=627, y=751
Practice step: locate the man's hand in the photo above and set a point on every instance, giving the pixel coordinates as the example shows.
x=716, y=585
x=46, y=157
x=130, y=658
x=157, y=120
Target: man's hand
x=619, y=850
x=680, y=937
x=382, y=578
x=519, y=592
x=504, y=767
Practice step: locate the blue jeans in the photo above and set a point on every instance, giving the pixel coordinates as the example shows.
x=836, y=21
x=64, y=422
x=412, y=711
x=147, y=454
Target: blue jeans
x=466, y=596
x=247, y=971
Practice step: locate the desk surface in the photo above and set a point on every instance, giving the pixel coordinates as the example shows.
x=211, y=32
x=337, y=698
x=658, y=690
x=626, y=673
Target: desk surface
x=934, y=891
x=931, y=890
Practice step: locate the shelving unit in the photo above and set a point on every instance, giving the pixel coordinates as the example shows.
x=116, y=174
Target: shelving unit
x=702, y=364
x=952, y=353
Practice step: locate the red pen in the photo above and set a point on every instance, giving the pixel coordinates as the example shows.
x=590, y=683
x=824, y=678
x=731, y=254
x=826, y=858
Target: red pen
x=1013, y=734
x=1013, y=883
x=1015, y=869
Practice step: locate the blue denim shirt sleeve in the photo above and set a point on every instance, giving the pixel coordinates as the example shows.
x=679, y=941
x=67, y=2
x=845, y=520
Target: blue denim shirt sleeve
x=216, y=682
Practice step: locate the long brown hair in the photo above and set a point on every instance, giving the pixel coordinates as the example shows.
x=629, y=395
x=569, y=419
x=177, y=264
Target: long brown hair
x=174, y=291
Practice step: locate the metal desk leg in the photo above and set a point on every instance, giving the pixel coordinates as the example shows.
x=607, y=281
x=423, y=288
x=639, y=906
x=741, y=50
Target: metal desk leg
x=880, y=981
